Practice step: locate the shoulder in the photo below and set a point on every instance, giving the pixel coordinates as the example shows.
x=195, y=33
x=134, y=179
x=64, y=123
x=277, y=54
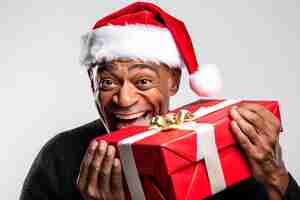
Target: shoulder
x=70, y=143
x=48, y=176
x=73, y=140
x=66, y=148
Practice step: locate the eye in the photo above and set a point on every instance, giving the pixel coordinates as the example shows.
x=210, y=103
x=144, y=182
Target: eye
x=107, y=84
x=144, y=84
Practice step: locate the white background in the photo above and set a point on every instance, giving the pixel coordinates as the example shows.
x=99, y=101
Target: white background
x=44, y=90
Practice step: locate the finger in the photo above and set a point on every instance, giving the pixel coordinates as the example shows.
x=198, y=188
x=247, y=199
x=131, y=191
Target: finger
x=262, y=126
x=279, y=154
x=245, y=126
x=242, y=139
x=264, y=113
x=252, y=118
x=96, y=166
x=105, y=173
x=116, y=177
x=85, y=165
x=272, y=135
x=253, y=153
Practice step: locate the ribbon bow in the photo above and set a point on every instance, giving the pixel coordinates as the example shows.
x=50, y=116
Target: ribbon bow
x=171, y=120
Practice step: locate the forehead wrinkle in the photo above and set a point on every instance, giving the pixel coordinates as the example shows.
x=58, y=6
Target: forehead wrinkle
x=144, y=66
x=113, y=69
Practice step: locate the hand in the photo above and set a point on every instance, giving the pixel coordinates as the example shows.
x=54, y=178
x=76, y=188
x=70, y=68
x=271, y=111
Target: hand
x=257, y=131
x=100, y=176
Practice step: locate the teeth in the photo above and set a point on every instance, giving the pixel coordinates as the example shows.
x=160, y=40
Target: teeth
x=132, y=116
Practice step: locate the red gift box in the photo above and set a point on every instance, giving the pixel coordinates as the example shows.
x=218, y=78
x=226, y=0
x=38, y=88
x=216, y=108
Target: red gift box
x=193, y=161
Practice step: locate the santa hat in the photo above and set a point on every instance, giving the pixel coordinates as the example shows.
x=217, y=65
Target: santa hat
x=144, y=31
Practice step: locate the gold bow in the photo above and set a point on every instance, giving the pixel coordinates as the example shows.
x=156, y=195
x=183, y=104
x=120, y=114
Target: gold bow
x=171, y=120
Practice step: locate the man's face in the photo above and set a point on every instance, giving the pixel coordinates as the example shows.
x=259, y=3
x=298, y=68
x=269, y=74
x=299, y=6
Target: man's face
x=131, y=92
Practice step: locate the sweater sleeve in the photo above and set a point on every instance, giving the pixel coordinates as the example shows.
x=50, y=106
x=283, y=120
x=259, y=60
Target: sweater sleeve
x=293, y=190
x=41, y=182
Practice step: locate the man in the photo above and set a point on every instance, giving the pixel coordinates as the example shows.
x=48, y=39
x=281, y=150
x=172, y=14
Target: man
x=133, y=58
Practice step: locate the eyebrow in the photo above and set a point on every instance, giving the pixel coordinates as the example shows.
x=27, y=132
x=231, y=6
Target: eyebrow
x=107, y=67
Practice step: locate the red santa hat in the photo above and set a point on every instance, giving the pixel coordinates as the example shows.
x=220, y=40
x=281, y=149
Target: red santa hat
x=144, y=31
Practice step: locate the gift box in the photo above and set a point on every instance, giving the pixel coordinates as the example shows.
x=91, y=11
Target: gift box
x=192, y=158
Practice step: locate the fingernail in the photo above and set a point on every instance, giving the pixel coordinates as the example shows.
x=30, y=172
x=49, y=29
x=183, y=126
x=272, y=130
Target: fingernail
x=94, y=144
x=233, y=123
x=116, y=162
x=234, y=111
x=234, y=108
x=110, y=150
x=102, y=146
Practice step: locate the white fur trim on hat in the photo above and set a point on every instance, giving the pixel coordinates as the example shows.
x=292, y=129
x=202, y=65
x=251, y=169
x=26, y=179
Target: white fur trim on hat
x=207, y=81
x=138, y=41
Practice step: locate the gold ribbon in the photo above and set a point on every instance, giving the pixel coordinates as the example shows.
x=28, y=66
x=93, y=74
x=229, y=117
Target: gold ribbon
x=171, y=120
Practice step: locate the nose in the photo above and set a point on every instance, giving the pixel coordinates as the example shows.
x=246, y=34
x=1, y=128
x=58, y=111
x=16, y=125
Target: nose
x=127, y=95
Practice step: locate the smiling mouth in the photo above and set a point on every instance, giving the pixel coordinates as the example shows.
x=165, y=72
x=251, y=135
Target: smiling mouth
x=139, y=118
x=129, y=116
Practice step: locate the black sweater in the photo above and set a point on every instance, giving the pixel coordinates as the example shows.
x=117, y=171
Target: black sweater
x=54, y=172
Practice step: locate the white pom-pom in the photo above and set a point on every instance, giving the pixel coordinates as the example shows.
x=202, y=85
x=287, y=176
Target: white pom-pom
x=207, y=81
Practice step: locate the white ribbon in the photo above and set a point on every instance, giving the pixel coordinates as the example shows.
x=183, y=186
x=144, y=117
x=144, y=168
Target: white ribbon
x=127, y=158
x=207, y=110
x=206, y=149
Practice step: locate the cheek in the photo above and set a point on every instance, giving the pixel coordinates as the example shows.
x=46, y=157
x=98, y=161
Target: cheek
x=164, y=86
x=157, y=99
x=105, y=98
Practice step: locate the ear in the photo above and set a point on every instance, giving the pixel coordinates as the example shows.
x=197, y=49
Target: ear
x=174, y=81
